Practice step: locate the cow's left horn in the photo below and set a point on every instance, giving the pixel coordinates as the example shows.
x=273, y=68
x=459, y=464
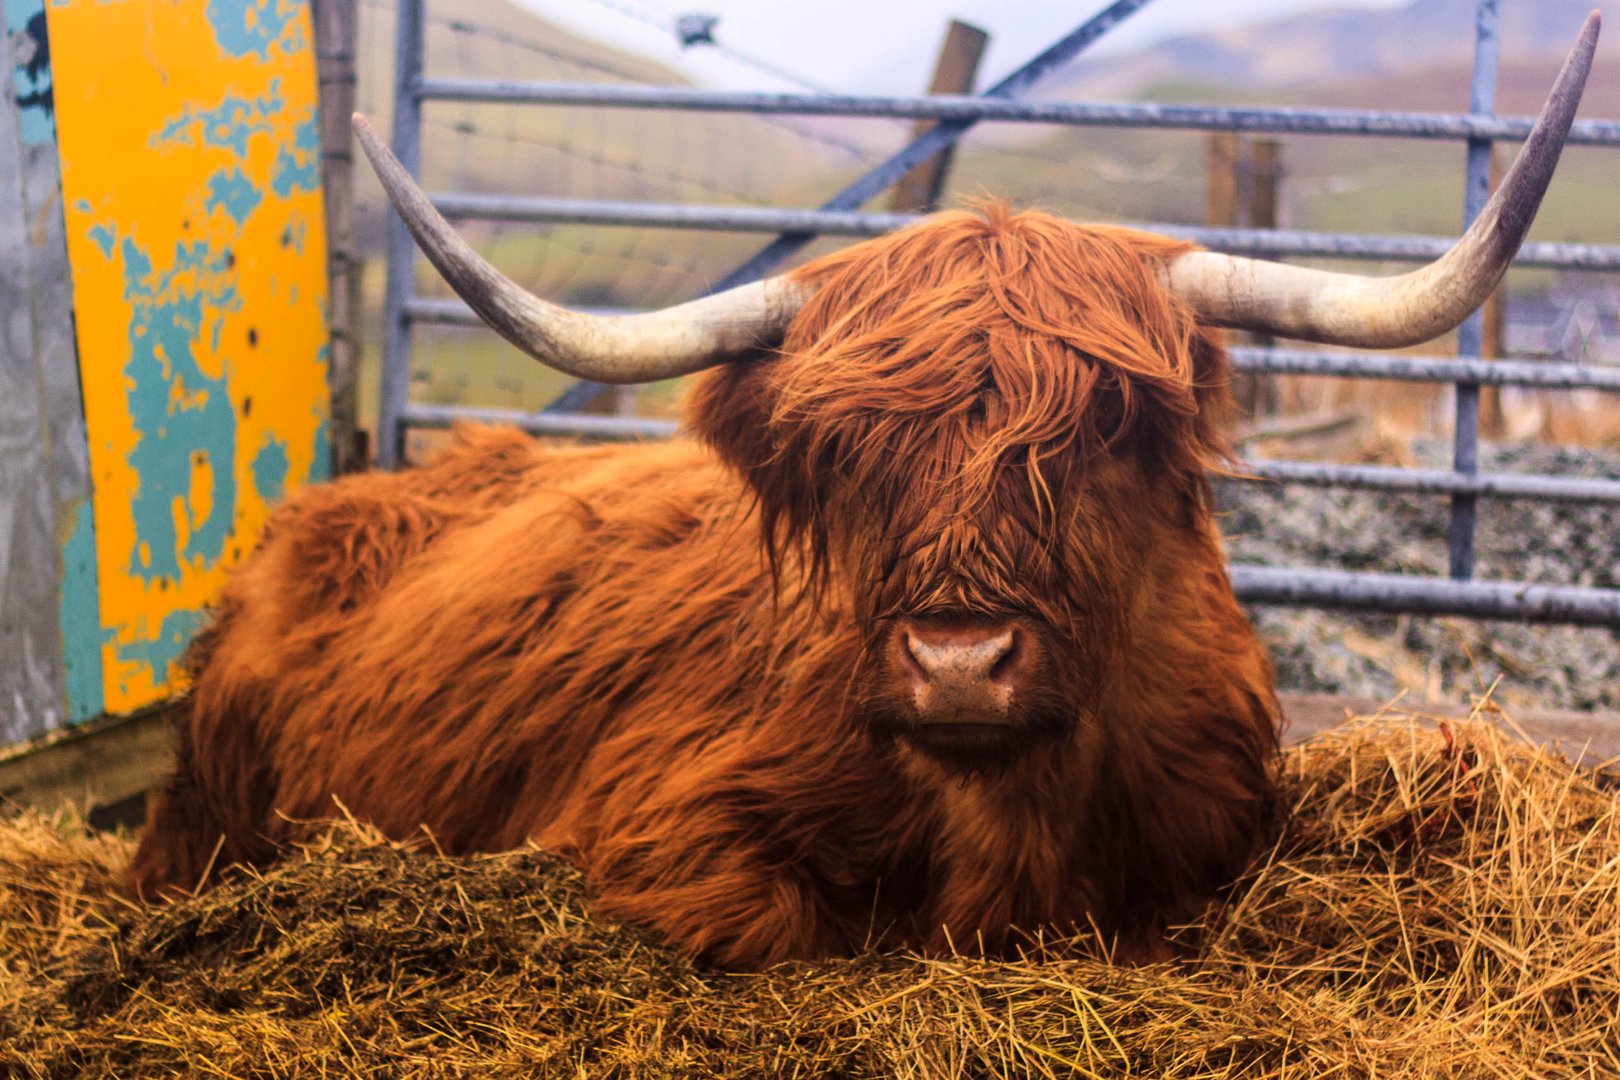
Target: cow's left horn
x=1350, y=310
x=734, y=325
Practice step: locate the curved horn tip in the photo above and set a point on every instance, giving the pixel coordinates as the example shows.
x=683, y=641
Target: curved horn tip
x=1586, y=40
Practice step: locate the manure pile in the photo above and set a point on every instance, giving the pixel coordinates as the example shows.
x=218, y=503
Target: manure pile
x=1443, y=902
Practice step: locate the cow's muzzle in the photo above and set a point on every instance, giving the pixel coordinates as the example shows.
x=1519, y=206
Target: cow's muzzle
x=963, y=672
x=974, y=692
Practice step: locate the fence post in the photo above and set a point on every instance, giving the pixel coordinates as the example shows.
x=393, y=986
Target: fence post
x=396, y=365
x=1220, y=180
x=954, y=72
x=1225, y=173
x=336, y=32
x=1465, y=444
x=1264, y=175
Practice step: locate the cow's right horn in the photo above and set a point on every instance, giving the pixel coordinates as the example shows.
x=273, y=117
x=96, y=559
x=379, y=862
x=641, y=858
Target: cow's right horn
x=734, y=325
x=1351, y=310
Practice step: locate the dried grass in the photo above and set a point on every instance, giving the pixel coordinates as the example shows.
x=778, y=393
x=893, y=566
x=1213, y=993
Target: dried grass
x=1444, y=902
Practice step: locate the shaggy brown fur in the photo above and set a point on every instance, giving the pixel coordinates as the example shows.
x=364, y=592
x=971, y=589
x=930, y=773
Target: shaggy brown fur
x=658, y=659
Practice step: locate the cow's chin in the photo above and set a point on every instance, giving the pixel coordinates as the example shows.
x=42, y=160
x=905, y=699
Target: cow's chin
x=973, y=749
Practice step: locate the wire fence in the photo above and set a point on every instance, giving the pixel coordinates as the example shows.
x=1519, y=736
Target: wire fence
x=478, y=147
x=696, y=171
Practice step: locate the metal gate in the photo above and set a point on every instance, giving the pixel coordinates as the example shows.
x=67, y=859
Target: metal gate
x=1479, y=128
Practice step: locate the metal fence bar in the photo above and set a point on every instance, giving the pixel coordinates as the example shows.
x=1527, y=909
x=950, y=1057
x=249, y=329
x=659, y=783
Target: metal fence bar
x=543, y=423
x=889, y=172
x=938, y=137
x=1259, y=242
x=1471, y=334
x=963, y=108
x=1425, y=369
x=1426, y=595
x=1440, y=481
x=1552, y=376
x=422, y=309
x=1255, y=584
x=407, y=138
x=1279, y=243
x=547, y=210
x=1494, y=485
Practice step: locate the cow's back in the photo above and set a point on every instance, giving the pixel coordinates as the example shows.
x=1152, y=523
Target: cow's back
x=445, y=646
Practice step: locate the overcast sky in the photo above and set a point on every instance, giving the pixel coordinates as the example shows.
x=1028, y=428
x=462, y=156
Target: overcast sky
x=883, y=46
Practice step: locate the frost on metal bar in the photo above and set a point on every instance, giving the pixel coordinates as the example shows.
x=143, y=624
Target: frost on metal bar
x=542, y=423
x=1506, y=372
x=1434, y=481
x=1426, y=595
x=963, y=108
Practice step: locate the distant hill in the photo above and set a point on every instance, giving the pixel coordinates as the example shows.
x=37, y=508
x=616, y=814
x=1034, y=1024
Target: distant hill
x=1326, y=47
x=1417, y=57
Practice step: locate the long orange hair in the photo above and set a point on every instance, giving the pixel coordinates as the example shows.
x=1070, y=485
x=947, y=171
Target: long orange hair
x=957, y=380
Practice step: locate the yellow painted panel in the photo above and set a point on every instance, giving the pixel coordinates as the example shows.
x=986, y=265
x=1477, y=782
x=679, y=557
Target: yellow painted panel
x=190, y=175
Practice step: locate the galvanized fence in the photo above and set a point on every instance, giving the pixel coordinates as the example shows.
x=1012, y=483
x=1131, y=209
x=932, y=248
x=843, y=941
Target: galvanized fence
x=1479, y=128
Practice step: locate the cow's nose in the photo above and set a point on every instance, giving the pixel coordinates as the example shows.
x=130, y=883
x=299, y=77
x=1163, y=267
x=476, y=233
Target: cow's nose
x=960, y=655
x=964, y=671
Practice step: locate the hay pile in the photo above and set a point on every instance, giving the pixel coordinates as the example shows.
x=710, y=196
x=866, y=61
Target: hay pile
x=1445, y=902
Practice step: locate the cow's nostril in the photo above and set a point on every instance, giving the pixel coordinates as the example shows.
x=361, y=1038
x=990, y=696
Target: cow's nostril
x=909, y=658
x=1006, y=667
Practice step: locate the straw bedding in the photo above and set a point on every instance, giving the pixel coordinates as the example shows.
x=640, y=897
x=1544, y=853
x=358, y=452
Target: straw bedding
x=1443, y=902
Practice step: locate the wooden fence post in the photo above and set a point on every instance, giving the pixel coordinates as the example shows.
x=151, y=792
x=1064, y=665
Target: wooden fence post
x=954, y=72
x=1492, y=420
x=1220, y=180
x=1241, y=186
x=1264, y=176
x=1265, y=173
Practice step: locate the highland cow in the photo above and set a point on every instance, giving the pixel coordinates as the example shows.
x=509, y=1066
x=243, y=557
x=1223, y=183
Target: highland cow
x=923, y=637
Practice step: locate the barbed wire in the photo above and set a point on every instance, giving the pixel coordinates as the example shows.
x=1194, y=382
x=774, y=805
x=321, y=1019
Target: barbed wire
x=667, y=23
x=863, y=154
x=583, y=153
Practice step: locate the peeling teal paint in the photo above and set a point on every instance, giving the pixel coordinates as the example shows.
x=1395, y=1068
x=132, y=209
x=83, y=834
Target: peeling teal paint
x=230, y=124
x=321, y=466
x=243, y=26
x=79, y=616
x=298, y=167
x=31, y=71
x=232, y=191
x=270, y=467
x=177, y=436
x=104, y=237
x=159, y=651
